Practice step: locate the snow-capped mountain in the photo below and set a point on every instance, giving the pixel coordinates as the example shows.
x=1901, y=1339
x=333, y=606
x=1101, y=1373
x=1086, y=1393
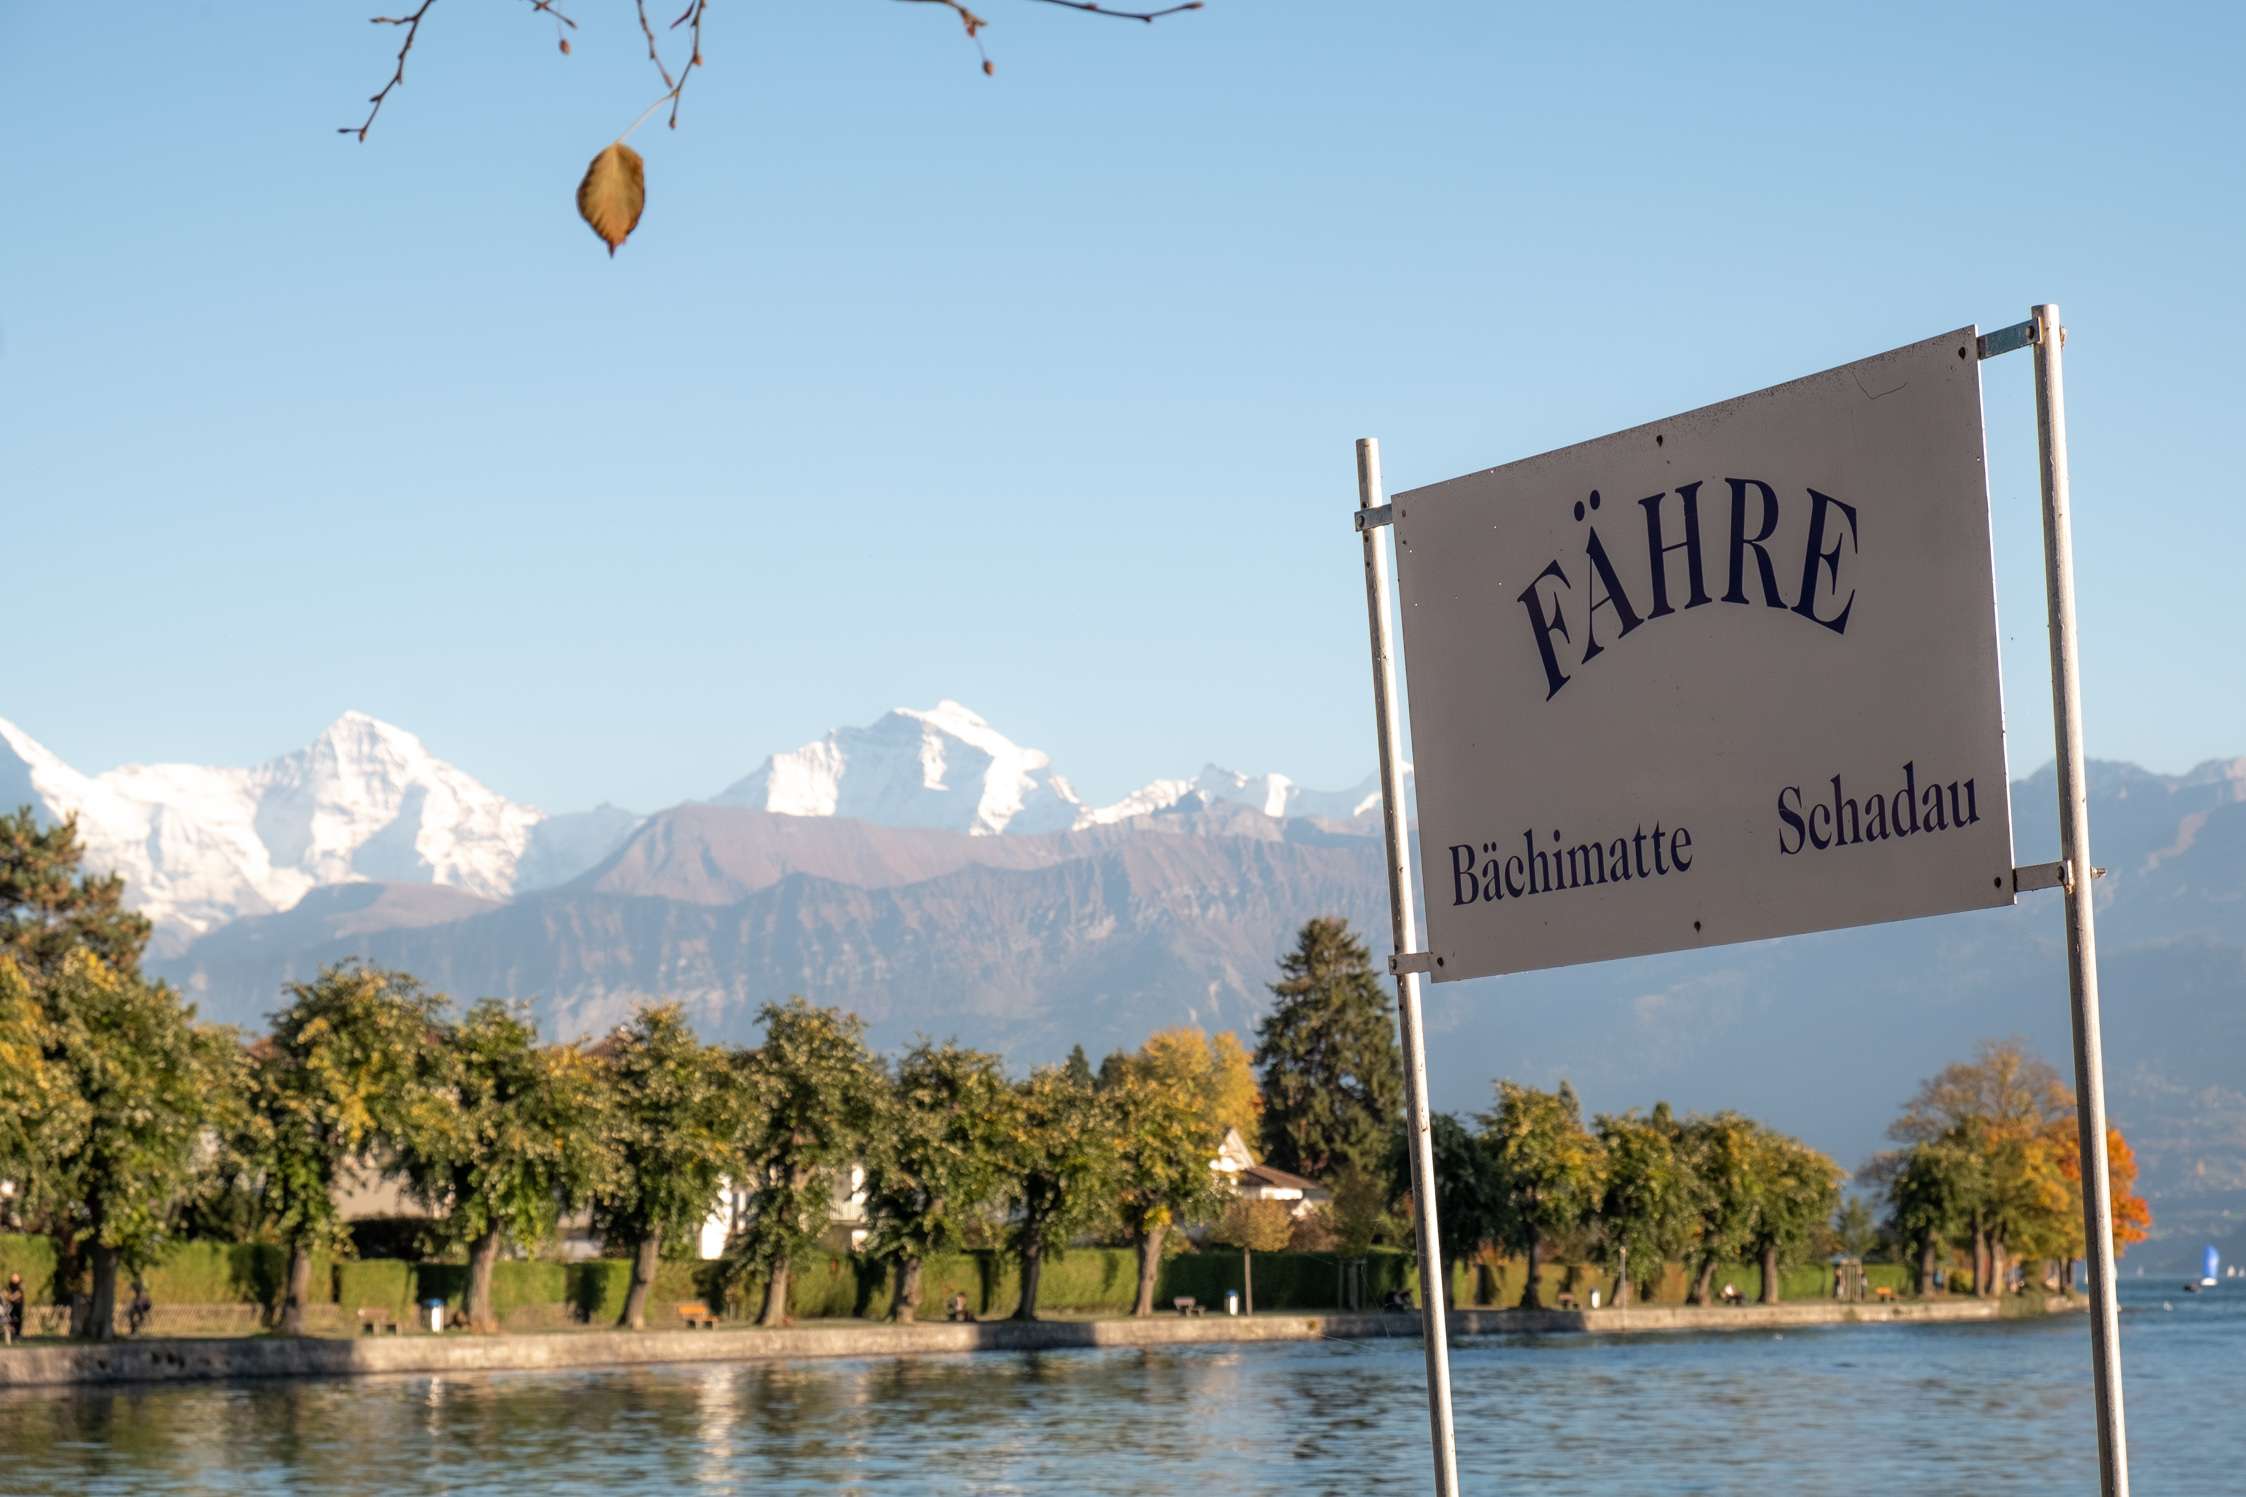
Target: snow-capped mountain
x=366, y=801
x=945, y=767
x=1273, y=794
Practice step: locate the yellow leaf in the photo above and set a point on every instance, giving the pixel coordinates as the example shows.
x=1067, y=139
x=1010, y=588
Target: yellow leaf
x=612, y=194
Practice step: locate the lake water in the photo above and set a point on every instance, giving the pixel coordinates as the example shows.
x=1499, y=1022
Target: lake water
x=1994, y=1408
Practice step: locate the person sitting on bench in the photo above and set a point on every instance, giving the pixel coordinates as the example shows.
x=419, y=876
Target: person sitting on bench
x=955, y=1308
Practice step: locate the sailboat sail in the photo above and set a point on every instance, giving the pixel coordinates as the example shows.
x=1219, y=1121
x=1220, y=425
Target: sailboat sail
x=2212, y=1266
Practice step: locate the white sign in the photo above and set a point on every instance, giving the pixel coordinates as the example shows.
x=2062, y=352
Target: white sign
x=1723, y=677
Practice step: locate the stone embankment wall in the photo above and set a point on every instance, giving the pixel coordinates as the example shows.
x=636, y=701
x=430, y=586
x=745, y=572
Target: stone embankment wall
x=166, y=1360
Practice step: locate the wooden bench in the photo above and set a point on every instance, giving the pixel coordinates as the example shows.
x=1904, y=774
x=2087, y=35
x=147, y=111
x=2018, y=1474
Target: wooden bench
x=1567, y=1302
x=1883, y=1292
x=694, y=1314
x=1186, y=1304
x=372, y=1321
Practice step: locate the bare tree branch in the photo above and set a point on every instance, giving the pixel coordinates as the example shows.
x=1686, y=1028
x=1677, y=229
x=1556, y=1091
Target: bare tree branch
x=674, y=83
x=974, y=24
x=673, y=86
x=411, y=21
x=1149, y=16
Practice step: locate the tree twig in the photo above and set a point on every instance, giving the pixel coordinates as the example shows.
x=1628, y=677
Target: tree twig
x=673, y=85
x=974, y=24
x=411, y=21
x=1089, y=8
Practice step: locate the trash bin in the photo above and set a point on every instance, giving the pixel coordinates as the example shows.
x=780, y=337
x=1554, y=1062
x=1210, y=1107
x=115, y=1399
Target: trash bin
x=436, y=1313
x=1232, y=1302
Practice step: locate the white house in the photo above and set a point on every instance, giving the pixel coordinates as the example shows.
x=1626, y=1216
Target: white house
x=846, y=1212
x=1262, y=1182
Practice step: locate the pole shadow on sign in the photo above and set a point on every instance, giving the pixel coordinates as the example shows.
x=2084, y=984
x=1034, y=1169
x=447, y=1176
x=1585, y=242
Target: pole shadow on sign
x=1725, y=677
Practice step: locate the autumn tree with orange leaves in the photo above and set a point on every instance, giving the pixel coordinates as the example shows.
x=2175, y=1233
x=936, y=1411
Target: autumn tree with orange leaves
x=1991, y=1166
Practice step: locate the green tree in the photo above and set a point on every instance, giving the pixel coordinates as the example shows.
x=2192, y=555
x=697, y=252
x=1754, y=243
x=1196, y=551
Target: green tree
x=42, y=1119
x=150, y=1079
x=814, y=1093
x=1926, y=1187
x=937, y=1159
x=49, y=909
x=1363, y=1213
x=1333, y=1085
x=673, y=1118
x=1797, y=1191
x=1996, y=1109
x=1650, y=1209
x=1855, y=1231
x=1468, y=1208
x=1548, y=1171
x=1079, y=1068
x=1726, y=1154
x=1253, y=1227
x=520, y=1136
x=1167, y=1129
x=344, y=1074
x=1062, y=1155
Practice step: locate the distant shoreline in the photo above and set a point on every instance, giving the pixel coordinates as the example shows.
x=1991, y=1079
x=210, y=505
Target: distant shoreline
x=187, y=1359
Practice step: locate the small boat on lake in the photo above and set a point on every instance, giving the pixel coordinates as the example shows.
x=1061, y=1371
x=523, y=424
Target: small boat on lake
x=2209, y=1268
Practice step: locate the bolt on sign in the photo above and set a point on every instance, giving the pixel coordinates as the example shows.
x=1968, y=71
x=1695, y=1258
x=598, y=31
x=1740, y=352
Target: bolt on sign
x=1718, y=678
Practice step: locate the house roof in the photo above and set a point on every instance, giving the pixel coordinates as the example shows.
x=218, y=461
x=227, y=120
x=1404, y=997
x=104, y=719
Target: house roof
x=1267, y=1175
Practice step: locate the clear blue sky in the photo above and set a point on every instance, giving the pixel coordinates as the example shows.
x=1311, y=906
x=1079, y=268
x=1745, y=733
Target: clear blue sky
x=1036, y=391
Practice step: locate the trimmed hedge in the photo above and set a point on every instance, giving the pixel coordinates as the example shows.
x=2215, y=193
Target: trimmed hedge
x=837, y=1285
x=34, y=1258
x=189, y=1273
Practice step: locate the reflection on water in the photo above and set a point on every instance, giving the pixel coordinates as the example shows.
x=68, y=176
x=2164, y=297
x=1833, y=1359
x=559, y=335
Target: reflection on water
x=1997, y=1408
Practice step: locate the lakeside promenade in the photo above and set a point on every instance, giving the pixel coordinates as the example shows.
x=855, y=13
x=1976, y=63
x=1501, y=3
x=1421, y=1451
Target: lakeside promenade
x=187, y=1359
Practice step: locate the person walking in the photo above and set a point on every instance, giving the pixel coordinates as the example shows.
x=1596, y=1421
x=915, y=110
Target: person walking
x=11, y=1308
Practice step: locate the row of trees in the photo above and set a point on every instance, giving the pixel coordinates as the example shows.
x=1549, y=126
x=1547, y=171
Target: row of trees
x=1631, y=1192
x=123, y=1120
x=1989, y=1164
x=1527, y=1177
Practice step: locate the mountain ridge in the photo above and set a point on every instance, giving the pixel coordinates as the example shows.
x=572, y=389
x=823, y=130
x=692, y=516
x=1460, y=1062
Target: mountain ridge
x=202, y=845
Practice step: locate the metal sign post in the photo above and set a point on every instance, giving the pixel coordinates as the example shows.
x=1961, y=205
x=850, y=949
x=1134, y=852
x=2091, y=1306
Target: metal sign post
x=2048, y=336
x=1407, y=982
x=1884, y=654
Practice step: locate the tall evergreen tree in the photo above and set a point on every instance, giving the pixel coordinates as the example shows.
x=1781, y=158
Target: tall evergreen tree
x=1079, y=1068
x=48, y=908
x=1333, y=1081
